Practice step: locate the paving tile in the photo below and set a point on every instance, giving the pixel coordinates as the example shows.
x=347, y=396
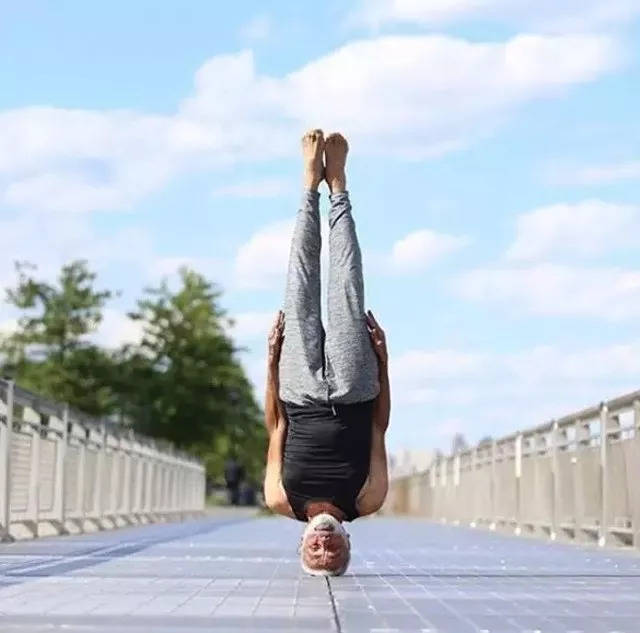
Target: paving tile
x=244, y=575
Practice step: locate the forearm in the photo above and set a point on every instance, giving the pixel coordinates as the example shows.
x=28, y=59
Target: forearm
x=382, y=407
x=272, y=411
x=274, y=494
x=375, y=491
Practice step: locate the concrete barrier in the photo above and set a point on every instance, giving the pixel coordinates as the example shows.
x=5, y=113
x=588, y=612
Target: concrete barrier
x=575, y=478
x=63, y=472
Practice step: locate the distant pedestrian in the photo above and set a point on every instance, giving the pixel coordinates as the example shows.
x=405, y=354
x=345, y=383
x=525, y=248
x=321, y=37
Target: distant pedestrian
x=233, y=476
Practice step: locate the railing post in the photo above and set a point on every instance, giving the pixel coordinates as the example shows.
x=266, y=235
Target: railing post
x=138, y=492
x=151, y=472
x=100, y=467
x=555, y=483
x=125, y=509
x=455, y=493
x=443, y=484
x=473, y=486
x=582, y=434
x=604, y=476
x=493, y=491
x=61, y=483
x=34, y=476
x=518, y=475
x=5, y=443
x=634, y=492
x=82, y=467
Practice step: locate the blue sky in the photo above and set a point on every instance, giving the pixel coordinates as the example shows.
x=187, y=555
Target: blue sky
x=494, y=172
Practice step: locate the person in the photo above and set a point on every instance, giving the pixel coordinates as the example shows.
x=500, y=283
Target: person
x=327, y=399
x=233, y=476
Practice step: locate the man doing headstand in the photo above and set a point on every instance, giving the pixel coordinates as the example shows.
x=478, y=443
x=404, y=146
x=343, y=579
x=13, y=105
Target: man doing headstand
x=327, y=401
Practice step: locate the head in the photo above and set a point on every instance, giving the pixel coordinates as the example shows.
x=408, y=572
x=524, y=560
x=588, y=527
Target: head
x=325, y=549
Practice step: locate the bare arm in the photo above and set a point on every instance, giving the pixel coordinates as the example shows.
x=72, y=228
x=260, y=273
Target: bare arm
x=375, y=489
x=275, y=421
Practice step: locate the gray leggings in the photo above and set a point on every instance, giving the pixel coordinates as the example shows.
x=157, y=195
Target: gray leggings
x=341, y=367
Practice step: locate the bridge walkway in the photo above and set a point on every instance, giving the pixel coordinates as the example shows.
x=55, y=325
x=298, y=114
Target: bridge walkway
x=238, y=573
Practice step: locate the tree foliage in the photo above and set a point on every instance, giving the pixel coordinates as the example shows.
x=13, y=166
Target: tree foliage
x=182, y=382
x=50, y=352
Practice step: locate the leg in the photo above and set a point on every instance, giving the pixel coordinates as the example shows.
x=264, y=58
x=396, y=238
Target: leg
x=302, y=357
x=352, y=368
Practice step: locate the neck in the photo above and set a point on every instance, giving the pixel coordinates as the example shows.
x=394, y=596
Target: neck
x=319, y=507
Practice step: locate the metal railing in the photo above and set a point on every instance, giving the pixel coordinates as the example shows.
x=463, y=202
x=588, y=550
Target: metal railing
x=61, y=471
x=574, y=478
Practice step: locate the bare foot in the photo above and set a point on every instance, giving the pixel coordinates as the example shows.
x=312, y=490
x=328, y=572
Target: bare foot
x=312, y=151
x=335, y=153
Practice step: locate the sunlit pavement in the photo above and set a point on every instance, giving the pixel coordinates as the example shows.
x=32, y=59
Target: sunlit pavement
x=238, y=573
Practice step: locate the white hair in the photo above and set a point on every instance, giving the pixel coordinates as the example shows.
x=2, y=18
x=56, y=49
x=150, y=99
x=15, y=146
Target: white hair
x=339, y=529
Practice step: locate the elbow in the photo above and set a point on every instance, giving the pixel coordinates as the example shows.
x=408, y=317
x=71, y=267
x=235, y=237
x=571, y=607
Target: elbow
x=272, y=499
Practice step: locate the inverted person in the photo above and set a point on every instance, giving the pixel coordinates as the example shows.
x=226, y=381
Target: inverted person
x=327, y=400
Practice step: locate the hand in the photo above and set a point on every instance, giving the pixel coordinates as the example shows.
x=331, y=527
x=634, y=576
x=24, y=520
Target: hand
x=276, y=336
x=378, y=338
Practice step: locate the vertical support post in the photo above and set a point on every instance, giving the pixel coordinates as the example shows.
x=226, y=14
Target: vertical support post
x=581, y=444
x=97, y=484
x=555, y=481
x=444, y=502
x=493, y=489
x=473, y=487
x=5, y=444
x=604, y=476
x=139, y=510
x=115, y=477
x=126, y=483
x=457, y=511
x=34, y=477
x=182, y=488
x=518, y=476
x=61, y=483
x=153, y=475
x=82, y=479
x=456, y=470
x=634, y=486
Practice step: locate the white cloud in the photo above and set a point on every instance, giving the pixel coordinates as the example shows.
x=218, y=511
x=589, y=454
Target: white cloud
x=117, y=329
x=550, y=15
x=265, y=188
x=262, y=261
x=555, y=290
x=419, y=249
x=252, y=325
x=257, y=29
x=77, y=160
x=495, y=393
x=51, y=241
x=415, y=96
x=8, y=327
x=585, y=228
x=415, y=373
x=212, y=268
x=597, y=174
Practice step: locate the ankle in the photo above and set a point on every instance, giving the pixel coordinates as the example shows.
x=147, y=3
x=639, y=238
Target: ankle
x=311, y=184
x=337, y=184
x=311, y=179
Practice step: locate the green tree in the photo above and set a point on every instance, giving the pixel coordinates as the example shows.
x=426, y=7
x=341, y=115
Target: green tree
x=183, y=381
x=49, y=353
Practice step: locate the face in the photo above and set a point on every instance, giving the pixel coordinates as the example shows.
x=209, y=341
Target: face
x=325, y=544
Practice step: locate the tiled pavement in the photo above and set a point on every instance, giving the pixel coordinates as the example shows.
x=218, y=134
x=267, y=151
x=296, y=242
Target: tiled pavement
x=237, y=574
